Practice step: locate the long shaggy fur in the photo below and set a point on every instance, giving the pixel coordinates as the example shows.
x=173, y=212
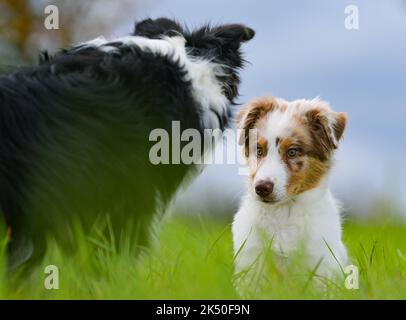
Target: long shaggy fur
x=74, y=130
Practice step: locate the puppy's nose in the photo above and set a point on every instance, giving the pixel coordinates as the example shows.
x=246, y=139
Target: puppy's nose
x=264, y=188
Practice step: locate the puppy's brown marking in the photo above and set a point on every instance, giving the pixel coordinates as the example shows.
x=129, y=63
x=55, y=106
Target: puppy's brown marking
x=263, y=146
x=340, y=124
x=248, y=117
x=326, y=129
x=308, y=177
x=310, y=164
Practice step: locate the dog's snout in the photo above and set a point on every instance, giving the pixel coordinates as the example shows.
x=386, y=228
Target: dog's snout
x=264, y=188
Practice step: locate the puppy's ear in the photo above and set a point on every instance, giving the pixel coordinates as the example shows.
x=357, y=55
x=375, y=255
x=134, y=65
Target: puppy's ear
x=249, y=115
x=234, y=33
x=339, y=124
x=326, y=127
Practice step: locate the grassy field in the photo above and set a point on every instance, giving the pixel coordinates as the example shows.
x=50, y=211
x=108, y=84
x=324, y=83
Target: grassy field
x=193, y=260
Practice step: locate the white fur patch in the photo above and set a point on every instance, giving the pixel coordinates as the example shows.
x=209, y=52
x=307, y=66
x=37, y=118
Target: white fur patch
x=202, y=73
x=308, y=224
x=273, y=168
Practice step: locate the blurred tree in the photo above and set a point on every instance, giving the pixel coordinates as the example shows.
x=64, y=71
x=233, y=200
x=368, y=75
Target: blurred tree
x=23, y=34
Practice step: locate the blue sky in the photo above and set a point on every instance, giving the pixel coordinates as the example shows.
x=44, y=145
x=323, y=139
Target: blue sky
x=303, y=50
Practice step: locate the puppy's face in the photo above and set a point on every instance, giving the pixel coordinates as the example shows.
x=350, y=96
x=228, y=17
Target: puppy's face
x=292, y=147
x=220, y=45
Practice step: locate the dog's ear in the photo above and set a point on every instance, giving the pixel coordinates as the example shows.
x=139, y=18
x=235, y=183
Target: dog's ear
x=326, y=127
x=155, y=28
x=234, y=33
x=248, y=117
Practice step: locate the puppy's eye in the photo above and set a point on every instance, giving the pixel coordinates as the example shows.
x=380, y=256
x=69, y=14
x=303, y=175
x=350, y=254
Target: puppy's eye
x=260, y=152
x=292, y=153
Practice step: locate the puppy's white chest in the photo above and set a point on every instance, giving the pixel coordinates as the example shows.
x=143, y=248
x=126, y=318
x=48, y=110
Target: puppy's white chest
x=287, y=230
x=285, y=234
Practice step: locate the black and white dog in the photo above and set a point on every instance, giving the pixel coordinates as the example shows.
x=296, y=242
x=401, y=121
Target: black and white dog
x=74, y=129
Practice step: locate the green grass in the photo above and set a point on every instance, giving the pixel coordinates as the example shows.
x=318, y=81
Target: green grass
x=193, y=260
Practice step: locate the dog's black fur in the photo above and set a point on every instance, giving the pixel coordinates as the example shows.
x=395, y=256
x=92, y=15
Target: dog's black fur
x=74, y=134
